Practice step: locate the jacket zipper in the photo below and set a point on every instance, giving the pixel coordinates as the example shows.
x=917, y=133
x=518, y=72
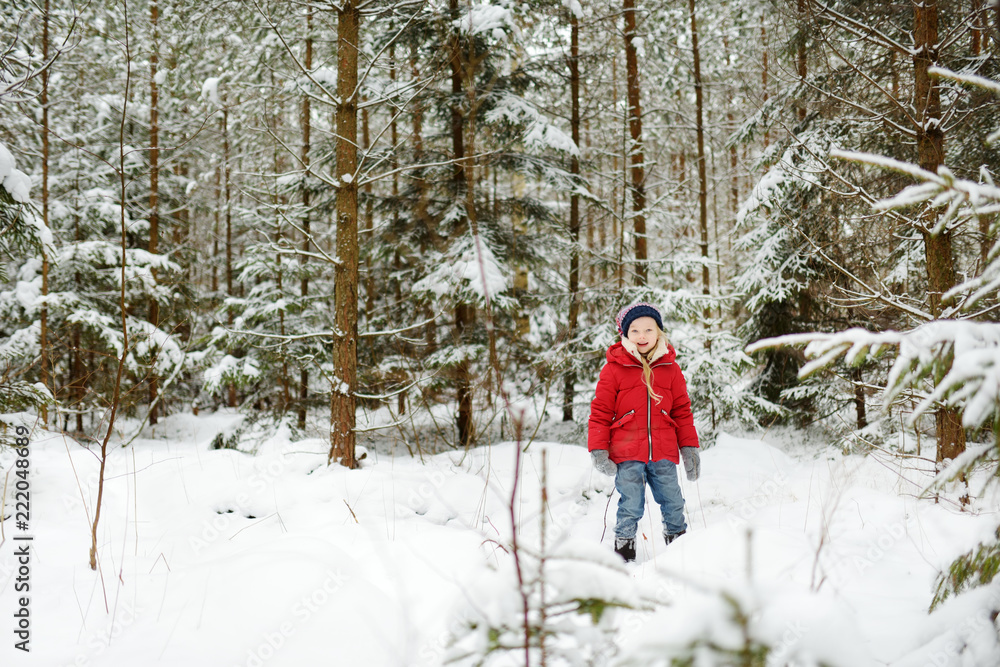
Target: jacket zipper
x=649, y=427
x=618, y=419
x=649, y=412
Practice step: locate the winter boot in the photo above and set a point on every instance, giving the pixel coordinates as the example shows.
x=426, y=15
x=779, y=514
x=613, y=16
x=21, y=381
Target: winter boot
x=670, y=537
x=625, y=547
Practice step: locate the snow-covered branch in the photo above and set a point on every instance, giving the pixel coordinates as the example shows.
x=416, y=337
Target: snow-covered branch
x=971, y=349
x=861, y=30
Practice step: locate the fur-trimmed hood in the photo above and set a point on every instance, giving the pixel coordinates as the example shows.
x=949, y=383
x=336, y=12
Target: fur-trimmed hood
x=626, y=353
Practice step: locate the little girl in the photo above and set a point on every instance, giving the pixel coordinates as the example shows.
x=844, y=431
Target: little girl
x=641, y=425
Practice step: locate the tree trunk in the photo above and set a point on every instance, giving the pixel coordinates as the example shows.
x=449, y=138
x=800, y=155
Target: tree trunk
x=702, y=175
x=734, y=174
x=345, y=343
x=420, y=183
x=154, y=194
x=457, y=120
x=859, y=397
x=227, y=194
x=800, y=58
x=588, y=218
x=369, y=222
x=976, y=25
x=216, y=224
x=986, y=242
x=182, y=237
x=422, y=195
x=763, y=77
x=465, y=316
x=305, y=121
x=734, y=189
x=522, y=319
x=397, y=288
x=996, y=27
x=950, y=434
x=279, y=203
x=394, y=140
x=603, y=230
x=638, y=168
x=930, y=146
x=930, y=155
x=43, y=336
x=232, y=398
x=569, y=390
x=286, y=398
x=77, y=381
x=464, y=313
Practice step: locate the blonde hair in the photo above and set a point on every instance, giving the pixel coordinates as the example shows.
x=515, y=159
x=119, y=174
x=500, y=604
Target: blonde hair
x=647, y=370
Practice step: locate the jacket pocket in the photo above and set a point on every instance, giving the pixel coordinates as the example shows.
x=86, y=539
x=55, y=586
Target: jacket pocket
x=624, y=419
x=669, y=419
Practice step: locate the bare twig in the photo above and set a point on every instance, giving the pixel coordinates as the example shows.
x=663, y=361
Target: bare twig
x=116, y=396
x=353, y=515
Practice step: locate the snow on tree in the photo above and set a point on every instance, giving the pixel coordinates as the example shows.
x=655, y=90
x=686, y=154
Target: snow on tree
x=951, y=361
x=24, y=236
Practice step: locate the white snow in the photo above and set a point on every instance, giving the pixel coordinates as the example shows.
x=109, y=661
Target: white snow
x=640, y=46
x=210, y=90
x=487, y=18
x=18, y=184
x=797, y=167
x=965, y=77
x=325, y=76
x=43, y=233
x=574, y=7
x=7, y=162
x=13, y=180
x=472, y=269
x=22, y=344
x=228, y=369
x=218, y=557
x=539, y=132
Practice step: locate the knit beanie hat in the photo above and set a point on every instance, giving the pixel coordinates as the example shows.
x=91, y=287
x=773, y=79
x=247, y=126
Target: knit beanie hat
x=629, y=314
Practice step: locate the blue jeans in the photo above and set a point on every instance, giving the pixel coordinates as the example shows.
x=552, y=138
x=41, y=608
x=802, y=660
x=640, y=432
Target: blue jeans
x=631, y=484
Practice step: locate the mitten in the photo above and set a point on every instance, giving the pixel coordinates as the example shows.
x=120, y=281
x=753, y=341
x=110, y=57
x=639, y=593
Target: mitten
x=692, y=462
x=603, y=463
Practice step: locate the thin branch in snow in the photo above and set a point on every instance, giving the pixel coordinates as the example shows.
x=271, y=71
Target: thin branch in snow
x=862, y=30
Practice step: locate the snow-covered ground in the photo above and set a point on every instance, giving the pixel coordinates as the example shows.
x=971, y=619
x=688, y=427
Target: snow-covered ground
x=222, y=558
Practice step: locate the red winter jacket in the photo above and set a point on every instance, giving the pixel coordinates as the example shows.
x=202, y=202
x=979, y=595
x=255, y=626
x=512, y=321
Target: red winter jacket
x=625, y=419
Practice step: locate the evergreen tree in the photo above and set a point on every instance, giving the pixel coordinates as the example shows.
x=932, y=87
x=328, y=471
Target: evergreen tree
x=820, y=252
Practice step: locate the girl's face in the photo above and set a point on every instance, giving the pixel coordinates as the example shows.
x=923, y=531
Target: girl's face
x=644, y=333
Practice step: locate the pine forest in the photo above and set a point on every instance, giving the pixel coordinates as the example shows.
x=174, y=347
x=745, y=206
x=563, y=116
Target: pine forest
x=304, y=306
